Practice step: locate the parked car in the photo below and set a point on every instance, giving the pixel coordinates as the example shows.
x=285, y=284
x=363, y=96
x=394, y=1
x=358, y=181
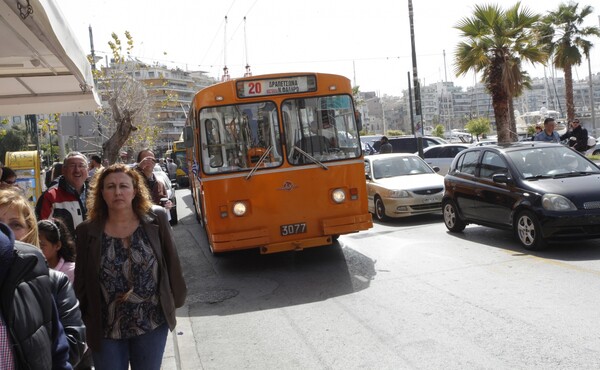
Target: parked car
x=442, y=155
x=408, y=144
x=161, y=175
x=401, y=185
x=540, y=191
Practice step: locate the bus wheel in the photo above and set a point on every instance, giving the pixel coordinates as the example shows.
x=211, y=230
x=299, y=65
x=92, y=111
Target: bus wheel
x=334, y=238
x=380, y=209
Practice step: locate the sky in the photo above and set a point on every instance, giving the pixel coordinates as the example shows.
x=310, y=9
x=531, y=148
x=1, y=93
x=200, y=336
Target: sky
x=367, y=41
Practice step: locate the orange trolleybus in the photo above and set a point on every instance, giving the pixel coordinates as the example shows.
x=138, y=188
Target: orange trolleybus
x=276, y=162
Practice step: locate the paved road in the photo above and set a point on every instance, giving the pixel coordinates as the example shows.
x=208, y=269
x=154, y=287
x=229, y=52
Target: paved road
x=405, y=294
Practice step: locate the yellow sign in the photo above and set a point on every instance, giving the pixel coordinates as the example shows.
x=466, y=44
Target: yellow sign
x=27, y=167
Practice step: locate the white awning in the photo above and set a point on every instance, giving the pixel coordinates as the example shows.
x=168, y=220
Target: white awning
x=43, y=69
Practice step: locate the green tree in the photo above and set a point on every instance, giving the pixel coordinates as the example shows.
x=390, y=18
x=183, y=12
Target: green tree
x=564, y=38
x=12, y=140
x=478, y=126
x=438, y=131
x=495, y=42
x=395, y=132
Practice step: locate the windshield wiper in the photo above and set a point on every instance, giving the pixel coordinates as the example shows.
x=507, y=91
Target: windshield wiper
x=538, y=177
x=573, y=174
x=260, y=161
x=313, y=159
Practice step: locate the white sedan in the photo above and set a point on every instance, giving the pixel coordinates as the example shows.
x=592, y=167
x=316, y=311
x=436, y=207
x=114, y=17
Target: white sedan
x=442, y=155
x=401, y=185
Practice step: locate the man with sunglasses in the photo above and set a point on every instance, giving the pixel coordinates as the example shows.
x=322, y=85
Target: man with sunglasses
x=577, y=136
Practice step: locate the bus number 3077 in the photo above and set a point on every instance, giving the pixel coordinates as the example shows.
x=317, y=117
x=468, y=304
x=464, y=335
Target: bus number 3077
x=291, y=229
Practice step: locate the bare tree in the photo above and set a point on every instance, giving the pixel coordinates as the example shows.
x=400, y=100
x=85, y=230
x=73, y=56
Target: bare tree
x=125, y=117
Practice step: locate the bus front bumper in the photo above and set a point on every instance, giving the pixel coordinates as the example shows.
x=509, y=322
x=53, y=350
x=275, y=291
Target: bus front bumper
x=260, y=238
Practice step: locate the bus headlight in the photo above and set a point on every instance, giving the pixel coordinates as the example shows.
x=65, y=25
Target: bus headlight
x=239, y=208
x=338, y=195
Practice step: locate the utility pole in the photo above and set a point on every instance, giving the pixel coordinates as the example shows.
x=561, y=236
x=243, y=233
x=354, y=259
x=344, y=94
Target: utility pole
x=591, y=95
x=416, y=78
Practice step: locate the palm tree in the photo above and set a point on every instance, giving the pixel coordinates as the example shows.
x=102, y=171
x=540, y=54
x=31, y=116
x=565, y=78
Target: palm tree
x=561, y=32
x=496, y=42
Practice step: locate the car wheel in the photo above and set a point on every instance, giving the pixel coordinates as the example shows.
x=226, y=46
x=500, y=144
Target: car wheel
x=380, y=209
x=451, y=218
x=528, y=231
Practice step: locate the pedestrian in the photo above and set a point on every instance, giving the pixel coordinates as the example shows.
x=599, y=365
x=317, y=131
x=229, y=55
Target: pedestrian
x=18, y=215
x=577, y=136
x=8, y=177
x=172, y=169
x=58, y=246
x=31, y=335
x=385, y=147
x=145, y=166
x=53, y=174
x=538, y=129
x=66, y=199
x=127, y=275
x=95, y=165
x=548, y=134
x=163, y=165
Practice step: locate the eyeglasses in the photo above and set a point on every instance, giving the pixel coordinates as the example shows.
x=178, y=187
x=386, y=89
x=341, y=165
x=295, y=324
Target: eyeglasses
x=73, y=166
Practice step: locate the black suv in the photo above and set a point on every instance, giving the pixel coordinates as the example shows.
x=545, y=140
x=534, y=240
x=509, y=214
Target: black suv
x=408, y=144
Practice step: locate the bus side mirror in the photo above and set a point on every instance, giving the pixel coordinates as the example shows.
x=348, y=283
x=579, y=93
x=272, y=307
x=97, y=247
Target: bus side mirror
x=358, y=120
x=188, y=137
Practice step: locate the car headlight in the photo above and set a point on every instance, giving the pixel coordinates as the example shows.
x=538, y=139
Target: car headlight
x=399, y=194
x=239, y=208
x=555, y=202
x=338, y=195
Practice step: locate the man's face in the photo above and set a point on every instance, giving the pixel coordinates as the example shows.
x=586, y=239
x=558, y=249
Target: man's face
x=147, y=161
x=549, y=127
x=76, y=172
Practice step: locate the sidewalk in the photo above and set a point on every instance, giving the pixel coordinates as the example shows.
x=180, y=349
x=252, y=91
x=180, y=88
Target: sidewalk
x=187, y=358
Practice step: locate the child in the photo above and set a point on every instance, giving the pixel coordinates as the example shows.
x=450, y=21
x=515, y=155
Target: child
x=58, y=246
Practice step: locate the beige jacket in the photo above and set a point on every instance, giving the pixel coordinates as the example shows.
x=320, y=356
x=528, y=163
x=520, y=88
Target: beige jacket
x=172, y=287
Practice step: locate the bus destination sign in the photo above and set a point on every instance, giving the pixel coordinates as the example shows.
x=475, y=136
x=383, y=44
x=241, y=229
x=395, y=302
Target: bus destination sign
x=276, y=86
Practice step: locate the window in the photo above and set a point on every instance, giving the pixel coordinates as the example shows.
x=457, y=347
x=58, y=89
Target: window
x=240, y=137
x=492, y=164
x=433, y=153
x=321, y=129
x=468, y=163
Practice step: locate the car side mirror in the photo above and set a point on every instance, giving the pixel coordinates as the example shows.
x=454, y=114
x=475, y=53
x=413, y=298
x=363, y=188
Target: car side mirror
x=501, y=178
x=367, y=176
x=435, y=168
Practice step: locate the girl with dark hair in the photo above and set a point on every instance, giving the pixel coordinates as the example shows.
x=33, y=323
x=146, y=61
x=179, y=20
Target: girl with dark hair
x=58, y=246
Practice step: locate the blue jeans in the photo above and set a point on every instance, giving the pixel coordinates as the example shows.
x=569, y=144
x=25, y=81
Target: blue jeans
x=144, y=352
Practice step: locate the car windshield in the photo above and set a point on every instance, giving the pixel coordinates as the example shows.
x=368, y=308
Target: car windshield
x=399, y=166
x=551, y=162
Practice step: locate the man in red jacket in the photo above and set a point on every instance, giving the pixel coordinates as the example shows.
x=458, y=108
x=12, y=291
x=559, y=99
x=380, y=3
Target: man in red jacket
x=66, y=200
